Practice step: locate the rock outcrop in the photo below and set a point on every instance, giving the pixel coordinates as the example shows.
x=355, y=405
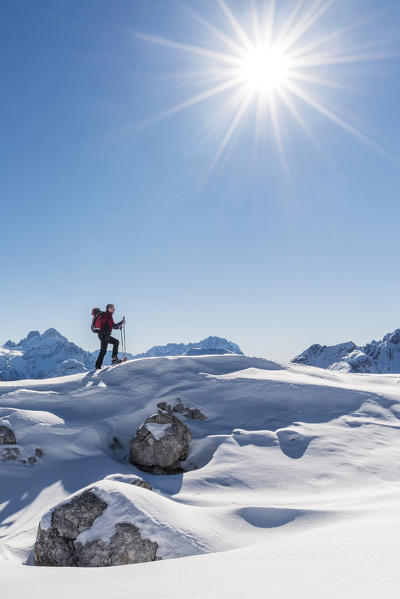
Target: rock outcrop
x=7, y=436
x=9, y=454
x=161, y=444
x=180, y=408
x=58, y=542
x=130, y=479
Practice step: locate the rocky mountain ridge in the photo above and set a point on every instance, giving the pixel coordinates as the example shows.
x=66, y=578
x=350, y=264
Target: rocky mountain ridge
x=179, y=349
x=50, y=354
x=377, y=357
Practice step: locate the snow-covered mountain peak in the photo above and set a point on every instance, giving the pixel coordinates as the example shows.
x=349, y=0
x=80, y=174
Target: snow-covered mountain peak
x=392, y=337
x=42, y=355
x=35, y=338
x=381, y=356
x=49, y=354
x=9, y=344
x=208, y=345
x=33, y=334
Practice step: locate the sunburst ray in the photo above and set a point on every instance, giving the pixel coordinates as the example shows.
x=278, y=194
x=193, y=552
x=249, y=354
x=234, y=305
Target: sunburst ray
x=272, y=67
x=235, y=24
x=209, y=93
x=161, y=41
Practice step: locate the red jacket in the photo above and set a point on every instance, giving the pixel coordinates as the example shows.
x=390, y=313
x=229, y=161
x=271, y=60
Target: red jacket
x=107, y=323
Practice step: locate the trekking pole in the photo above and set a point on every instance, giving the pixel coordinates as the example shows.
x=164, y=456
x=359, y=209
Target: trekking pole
x=124, y=339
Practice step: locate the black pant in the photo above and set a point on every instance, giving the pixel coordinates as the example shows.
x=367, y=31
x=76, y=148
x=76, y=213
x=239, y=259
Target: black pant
x=105, y=339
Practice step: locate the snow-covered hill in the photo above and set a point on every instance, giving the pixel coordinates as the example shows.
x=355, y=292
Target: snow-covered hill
x=376, y=357
x=291, y=486
x=51, y=355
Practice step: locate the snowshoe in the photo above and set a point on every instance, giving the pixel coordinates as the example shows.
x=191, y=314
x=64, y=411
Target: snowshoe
x=116, y=361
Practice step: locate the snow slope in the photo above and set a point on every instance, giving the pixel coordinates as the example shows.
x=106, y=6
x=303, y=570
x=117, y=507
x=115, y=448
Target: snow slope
x=291, y=489
x=376, y=357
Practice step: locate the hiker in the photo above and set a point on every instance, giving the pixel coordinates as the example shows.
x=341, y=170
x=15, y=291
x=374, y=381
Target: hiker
x=103, y=323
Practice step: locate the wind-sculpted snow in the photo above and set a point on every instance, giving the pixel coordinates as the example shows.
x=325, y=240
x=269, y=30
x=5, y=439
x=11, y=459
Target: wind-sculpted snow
x=285, y=457
x=376, y=357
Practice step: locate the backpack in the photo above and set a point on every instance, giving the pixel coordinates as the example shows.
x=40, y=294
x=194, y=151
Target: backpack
x=97, y=317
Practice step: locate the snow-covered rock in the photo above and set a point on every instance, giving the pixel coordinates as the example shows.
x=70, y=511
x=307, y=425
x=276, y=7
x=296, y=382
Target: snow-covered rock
x=130, y=479
x=161, y=444
x=7, y=436
x=60, y=541
x=376, y=357
x=9, y=453
x=179, y=407
x=111, y=523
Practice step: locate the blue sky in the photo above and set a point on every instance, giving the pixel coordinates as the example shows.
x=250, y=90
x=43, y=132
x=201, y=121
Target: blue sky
x=98, y=208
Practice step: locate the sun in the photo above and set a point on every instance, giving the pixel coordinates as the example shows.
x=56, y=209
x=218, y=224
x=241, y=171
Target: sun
x=265, y=69
x=279, y=64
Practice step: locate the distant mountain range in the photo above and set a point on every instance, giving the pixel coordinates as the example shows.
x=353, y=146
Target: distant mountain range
x=375, y=357
x=50, y=354
x=209, y=345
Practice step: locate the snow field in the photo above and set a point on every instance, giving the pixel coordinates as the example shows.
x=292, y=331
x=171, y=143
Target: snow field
x=292, y=481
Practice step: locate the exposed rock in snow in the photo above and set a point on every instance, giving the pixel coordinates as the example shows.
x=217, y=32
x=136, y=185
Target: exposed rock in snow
x=116, y=444
x=130, y=479
x=9, y=453
x=126, y=546
x=59, y=544
x=376, y=357
x=9, y=450
x=7, y=436
x=112, y=523
x=70, y=519
x=161, y=444
x=55, y=544
x=180, y=408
